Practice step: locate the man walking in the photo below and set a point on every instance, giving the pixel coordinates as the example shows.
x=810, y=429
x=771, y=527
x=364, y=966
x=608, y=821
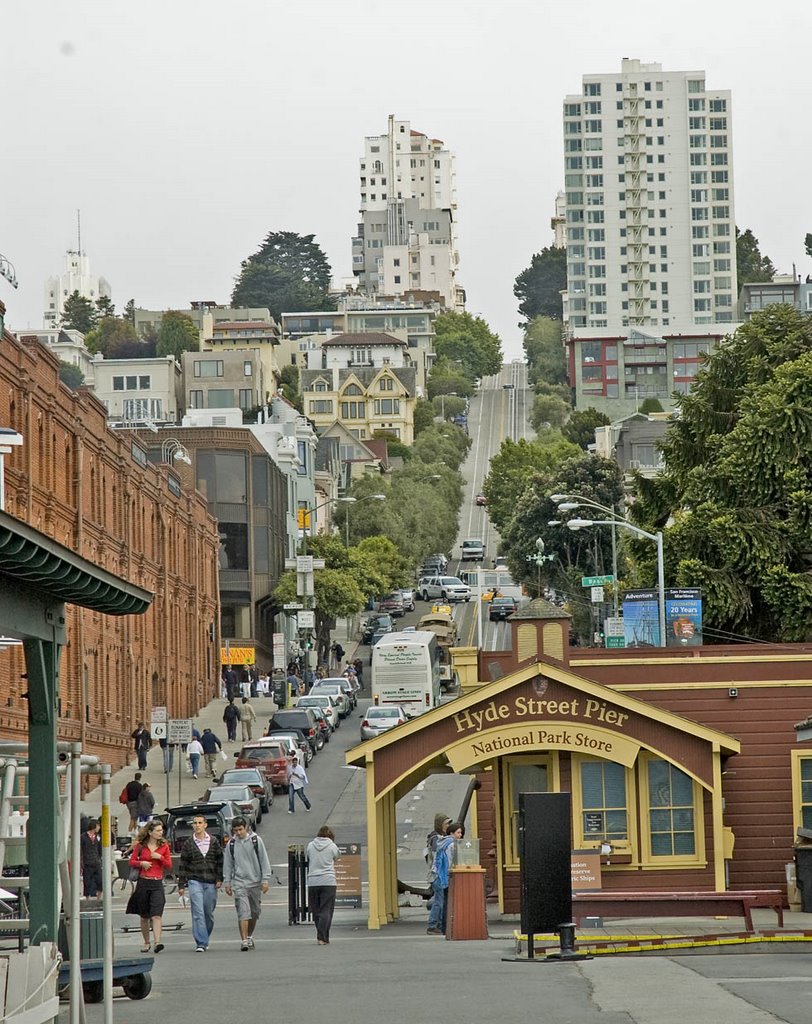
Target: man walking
x=231, y=716
x=246, y=876
x=211, y=748
x=200, y=870
x=297, y=780
x=133, y=789
x=247, y=718
x=142, y=741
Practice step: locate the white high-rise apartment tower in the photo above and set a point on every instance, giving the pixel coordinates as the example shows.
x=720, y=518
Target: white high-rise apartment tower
x=407, y=239
x=76, y=277
x=649, y=201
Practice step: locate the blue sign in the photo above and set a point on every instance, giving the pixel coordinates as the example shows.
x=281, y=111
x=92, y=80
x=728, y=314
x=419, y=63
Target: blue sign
x=641, y=619
x=683, y=618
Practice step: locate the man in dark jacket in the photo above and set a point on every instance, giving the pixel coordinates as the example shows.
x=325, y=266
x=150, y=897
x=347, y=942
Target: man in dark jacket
x=142, y=741
x=200, y=870
x=90, y=848
x=231, y=716
x=211, y=748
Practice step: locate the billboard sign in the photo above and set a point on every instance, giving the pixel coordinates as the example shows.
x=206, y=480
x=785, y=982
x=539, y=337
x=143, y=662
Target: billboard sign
x=683, y=617
x=641, y=622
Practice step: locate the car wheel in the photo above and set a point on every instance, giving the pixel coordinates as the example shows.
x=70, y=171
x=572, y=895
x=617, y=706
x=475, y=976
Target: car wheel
x=259, y=815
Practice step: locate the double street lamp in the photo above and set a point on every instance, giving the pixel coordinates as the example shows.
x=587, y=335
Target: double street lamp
x=570, y=502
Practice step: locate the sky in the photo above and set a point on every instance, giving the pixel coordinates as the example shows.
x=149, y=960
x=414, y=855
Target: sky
x=186, y=130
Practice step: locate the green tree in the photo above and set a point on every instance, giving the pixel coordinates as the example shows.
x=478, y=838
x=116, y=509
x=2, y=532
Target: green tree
x=448, y=378
x=750, y=264
x=546, y=356
x=649, y=405
x=78, y=313
x=288, y=272
x=442, y=443
x=176, y=335
x=289, y=384
x=423, y=416
x=468, y=341
x=548, y=411
x=448, y=406
x=580, y=427
x=395, y=447
x=104, y=307
x=736, y=491
x=115, y=338
x=539, y=287
x=129, y=312
x=70, y=375
x=511, y=469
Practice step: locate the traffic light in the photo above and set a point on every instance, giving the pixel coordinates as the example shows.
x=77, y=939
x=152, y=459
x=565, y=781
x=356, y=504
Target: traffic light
x=308, y=643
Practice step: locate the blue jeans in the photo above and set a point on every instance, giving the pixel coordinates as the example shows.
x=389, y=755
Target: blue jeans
x=203, y=900
x=302, y=796
x=194, y=761
x=436, y=912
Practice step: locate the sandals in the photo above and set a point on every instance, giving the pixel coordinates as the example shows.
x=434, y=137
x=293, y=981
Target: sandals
x=145, y=949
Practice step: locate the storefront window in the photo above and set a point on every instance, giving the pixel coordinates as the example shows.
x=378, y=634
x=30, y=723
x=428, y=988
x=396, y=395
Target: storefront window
x=802, y=788
x=671, y=811
x=604, y=804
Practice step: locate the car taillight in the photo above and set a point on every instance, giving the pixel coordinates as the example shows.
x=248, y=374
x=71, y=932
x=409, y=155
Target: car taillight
x=365, y=724
x=311, y=732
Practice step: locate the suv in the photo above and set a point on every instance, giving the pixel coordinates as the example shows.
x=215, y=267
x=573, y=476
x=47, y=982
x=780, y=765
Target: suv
x=218, y=817
x=302, y=720
x=473, y=551
x=447, y=588
x=392, y=604
x=374, y=624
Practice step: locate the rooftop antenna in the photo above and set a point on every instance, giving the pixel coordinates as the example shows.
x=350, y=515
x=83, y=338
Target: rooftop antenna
x=79, y=229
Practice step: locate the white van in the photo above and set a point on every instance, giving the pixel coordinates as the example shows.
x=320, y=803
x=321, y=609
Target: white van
x=473, y=551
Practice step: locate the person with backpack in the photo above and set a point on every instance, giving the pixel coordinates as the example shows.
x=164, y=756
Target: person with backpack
x=129, y=796
x=246, y=876
x=231, y=716
x=440, y=830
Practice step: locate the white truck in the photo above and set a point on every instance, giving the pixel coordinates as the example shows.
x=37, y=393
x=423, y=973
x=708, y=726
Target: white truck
x=473, y=551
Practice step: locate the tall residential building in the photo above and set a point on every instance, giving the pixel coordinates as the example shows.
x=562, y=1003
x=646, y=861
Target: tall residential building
x=76, y=277
x=407, y=238
x=650, y=228
x=649, y=200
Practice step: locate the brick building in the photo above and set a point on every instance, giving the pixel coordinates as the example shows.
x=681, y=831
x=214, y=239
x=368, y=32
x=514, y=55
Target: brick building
x=93, y=490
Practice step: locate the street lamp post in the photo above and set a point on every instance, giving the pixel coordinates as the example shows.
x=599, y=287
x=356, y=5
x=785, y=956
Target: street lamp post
x=579, y=524
x=568, y=502
x=539, y=558
x=354, y=501
x=171, y=449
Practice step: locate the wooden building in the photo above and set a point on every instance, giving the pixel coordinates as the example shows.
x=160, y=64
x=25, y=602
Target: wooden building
x=683, y=764
x=92, y=490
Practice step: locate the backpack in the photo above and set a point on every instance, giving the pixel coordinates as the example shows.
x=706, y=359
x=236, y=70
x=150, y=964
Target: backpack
x=255, y=844
x=122, y=796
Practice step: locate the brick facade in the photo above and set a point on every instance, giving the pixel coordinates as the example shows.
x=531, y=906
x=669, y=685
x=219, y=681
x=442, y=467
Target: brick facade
x=92, y=490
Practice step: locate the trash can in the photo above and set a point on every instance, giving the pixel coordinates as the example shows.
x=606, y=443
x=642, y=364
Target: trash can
x=803, y=876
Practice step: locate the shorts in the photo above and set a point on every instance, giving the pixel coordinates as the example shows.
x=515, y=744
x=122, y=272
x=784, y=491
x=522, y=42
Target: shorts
x=248, y=901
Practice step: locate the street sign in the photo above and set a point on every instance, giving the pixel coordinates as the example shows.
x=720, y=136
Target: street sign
x=615, y=641
x=306, y=620
x=159, y=714
x=613, y=625
x=596, y=581
x=304, y=563
x=158, y=730
x=597, y=595
x=180, y=730
x=293, y=606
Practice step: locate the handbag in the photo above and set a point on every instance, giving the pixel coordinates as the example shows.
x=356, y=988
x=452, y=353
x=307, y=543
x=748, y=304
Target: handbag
x=135, y=872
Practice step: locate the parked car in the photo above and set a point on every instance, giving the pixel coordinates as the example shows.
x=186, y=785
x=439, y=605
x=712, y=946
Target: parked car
x=218, y=816
x=328, y=703
x=258, y=782
x=243, y=796
x=270, y=758
x=332, y=689
x=447, y=588
x=501, y=607
x=381, y=719
x=380, y=620
x=480, y=499
x=392, y=604
x=349, y=689
x=293, y=743
x=303, y=720
x=407, y=597
x=321, y=718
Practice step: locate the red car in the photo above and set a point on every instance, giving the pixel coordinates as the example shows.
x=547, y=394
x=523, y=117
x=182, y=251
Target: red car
x=480, y=499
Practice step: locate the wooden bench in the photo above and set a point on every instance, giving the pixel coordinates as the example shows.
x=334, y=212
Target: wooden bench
x=733, y=903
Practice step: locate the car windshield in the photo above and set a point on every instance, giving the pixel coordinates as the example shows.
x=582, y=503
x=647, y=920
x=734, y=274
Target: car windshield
x=451, y=581
x=267, y=750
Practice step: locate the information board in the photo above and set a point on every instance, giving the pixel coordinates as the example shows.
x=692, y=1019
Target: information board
x=348, y=875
